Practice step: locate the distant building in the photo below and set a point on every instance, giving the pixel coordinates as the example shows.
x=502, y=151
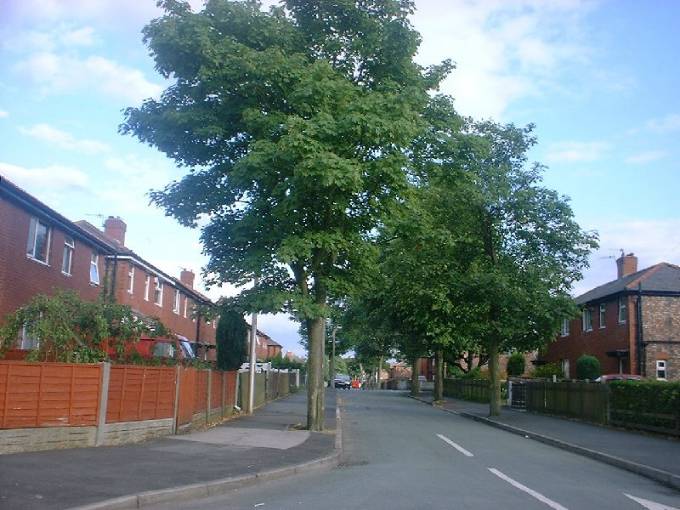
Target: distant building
x=631, y=324
x=265, y=347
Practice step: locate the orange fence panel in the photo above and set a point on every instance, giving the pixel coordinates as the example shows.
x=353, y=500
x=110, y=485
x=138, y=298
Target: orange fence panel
x=201, y=396
x=230, y=399
x=187, y=395
x=140, y=393
x=48, y=394
x=216, y=386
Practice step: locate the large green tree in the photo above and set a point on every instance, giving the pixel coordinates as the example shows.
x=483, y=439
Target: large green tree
x=294, y=124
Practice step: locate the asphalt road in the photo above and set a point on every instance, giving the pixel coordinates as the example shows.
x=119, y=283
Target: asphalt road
x=402, y=454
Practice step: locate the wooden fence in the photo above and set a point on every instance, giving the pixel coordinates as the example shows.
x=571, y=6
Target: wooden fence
x=583, y=400
x=140, y=393
x=467, y=389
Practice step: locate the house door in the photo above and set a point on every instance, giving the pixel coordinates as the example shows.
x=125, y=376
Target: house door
x=565, y=368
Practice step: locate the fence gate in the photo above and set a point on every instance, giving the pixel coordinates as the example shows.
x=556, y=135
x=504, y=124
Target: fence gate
x=517, y=393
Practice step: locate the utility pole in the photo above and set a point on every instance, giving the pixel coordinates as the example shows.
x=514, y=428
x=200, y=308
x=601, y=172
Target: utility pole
x=332, y=363
x=253, y=358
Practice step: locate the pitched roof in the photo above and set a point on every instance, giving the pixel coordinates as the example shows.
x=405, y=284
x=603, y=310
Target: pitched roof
x=661, y=278
x=124, y=251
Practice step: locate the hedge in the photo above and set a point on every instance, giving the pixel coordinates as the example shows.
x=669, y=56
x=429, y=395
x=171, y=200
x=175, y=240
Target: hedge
x=647, y=404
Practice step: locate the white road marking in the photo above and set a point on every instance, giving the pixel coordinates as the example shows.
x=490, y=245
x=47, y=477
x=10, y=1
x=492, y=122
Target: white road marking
x=650, y=505
x=456, y=446
x=531, y=492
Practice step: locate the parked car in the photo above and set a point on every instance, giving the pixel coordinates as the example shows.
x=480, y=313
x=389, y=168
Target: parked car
x=618, y=377
x=342, y=382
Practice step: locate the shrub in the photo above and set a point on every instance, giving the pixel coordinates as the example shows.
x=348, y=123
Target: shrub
x=647, y=403
x=516, y=364
x=547, y=371
x=231, y=340
x=587, y=367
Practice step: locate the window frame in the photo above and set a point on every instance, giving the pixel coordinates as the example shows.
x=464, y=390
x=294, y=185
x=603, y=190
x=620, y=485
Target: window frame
x=603, y=316
x=147, y=287
x=587, y=312
x=661, y=365
x=177, y=301
x=623, y=307
x=94, y=264
x=158, y=292
x=131, y=280
x=25, y=339
x=69, y=250
x=186, y=305
x=31, y=243
x=565, y=330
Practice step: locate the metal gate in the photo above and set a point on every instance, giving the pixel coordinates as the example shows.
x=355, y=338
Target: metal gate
x=517, y=394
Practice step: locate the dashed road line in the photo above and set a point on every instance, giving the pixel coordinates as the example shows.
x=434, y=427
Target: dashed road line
x=455, y=445
x=531, y=492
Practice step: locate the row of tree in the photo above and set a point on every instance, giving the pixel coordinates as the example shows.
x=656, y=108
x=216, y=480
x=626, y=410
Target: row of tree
x=323, y=163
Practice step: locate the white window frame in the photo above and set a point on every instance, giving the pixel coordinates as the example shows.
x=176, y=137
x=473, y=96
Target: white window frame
x=31, y=243
x=131, y=281
x=94, y=266
x=147, y=287
x=661, y=366
x=177, y=301
x=186, y=305
x=69, y=250
x=587, y=312
x=564, y=331
x=158, y=291
x=28, y=343
x=623, y=309
x=603, y=316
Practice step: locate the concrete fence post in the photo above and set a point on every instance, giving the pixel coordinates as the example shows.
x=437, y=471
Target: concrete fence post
x=175, y=414
x=103, y=403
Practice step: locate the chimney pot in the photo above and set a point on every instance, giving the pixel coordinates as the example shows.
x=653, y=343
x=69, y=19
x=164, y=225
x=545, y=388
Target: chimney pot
x=626, y=264
x=115, y=228
x=187, y=277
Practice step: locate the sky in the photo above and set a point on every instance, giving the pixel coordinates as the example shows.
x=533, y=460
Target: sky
x=599, y=79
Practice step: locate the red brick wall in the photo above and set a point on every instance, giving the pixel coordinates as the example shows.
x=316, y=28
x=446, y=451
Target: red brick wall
x=22, y=278
x=596, y=342
x=661, y=334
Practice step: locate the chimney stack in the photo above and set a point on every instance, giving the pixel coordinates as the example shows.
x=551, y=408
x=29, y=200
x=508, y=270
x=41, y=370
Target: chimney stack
x=115, y=228
x=626, y=264
x=187, y=277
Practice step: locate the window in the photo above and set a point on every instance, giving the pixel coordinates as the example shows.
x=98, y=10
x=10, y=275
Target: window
x=67, y=260
x=131, y=279
x=94, y=269
x=215, y=324
x=175, y=306
x=38, y=245
x=28, y=342
x=565, y=327
x=157, y=291
x=147, y=286
x=603, y=313
x=587, y=319
x=623, y=312
x=661, y=369
x=186, y=305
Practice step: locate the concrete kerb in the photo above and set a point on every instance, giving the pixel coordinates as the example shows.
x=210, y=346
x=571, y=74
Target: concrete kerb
x=216, y=487
x=658, y=475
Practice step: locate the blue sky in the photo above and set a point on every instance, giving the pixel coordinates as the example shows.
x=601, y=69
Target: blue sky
x=598, y=78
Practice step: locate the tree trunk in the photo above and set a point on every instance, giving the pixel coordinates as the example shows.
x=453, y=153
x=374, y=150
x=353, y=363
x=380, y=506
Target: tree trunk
x=415, y=381
x=332, y=358
x=380, y=362
x=494, y=380
x=438, y=375
x=315, y=386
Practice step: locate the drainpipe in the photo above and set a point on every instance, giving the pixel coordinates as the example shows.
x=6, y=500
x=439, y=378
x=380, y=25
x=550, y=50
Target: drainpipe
x=640, y=341
x=112, y=283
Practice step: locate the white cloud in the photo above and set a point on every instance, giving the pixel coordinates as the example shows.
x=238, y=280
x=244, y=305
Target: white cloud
x=3, y=114
x=670, y=122
x=78, y=37
x=64, y=140
x=572, y=151
x=652, y=241
x=64, y=73
x=645, y=157
x=53, y=177
x=504, y=49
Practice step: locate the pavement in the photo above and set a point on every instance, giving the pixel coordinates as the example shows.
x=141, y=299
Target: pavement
x=401, y=454
x=244, y=451
x=656, y=457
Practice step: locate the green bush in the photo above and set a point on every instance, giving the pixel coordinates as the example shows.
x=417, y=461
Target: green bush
x=650, y=403
x=547, y=371
x=231, y=339
x=588, y=367
x=516, y=364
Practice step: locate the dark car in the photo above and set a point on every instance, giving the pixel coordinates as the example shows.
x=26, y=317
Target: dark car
x=343, y=382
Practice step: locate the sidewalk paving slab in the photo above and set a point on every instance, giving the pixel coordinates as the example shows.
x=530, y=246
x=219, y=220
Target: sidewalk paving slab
x=214, y=461
x=655, y=457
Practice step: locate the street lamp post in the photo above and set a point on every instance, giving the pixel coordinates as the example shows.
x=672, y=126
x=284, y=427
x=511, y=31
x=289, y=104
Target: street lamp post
x=253, y=358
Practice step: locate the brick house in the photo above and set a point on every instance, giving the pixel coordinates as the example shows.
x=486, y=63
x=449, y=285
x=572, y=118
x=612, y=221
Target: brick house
x=41, y=251
x=265, y=347
x=631, y=324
